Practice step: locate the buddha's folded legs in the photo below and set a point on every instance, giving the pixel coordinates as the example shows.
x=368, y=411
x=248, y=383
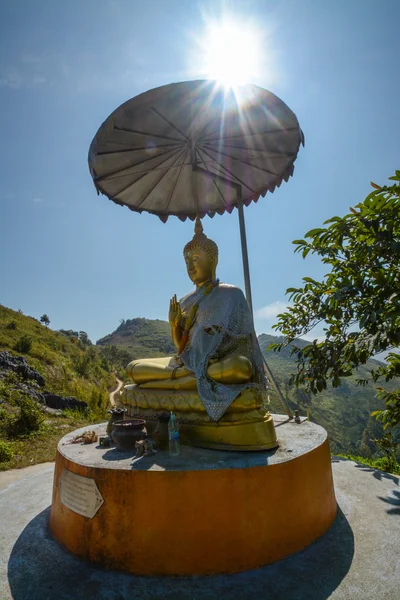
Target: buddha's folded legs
x=230, y=370
x=155, y=369
x=162, y=373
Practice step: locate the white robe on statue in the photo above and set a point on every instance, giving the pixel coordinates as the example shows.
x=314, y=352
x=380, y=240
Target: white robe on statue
x=223, y=327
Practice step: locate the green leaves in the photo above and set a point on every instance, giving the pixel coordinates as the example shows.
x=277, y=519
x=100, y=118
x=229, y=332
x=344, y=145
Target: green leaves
x=361, y=288
x=391, y=416
x=333, y=220
x=395, y=177
x=314, y=232
x=311, y=280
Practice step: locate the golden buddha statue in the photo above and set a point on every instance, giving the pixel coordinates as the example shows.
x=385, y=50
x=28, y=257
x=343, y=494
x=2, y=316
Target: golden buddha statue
x=216, y=382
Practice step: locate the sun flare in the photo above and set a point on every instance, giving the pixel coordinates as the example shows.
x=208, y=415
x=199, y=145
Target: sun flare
x=231, y=52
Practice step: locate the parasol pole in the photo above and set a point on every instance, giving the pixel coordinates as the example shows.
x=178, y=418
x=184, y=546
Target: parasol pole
x=245, y=256
x=246, y=270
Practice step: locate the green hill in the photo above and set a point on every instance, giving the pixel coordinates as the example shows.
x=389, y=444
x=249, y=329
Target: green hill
x=40, y=367
x=69, y=366
x=141, y=338
x=344, y=411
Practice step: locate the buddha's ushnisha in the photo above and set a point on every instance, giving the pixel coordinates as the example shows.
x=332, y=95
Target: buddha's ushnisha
x=212, y=329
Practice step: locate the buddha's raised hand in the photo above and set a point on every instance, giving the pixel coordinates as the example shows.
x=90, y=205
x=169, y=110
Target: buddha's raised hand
x=175, y=312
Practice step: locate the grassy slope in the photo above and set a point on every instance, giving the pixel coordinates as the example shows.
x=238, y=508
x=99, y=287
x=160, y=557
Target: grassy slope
x=343, y=411
x=69, y=369
x=41, y=446
x=142, y=338
x=57, y=357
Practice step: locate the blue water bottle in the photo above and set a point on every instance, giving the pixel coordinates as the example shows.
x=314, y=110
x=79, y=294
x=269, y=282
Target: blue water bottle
x=173, y=435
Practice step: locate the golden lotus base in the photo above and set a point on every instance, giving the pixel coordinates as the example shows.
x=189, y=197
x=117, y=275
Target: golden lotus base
x=245, y=427
x=202, y=512
x=248, y=436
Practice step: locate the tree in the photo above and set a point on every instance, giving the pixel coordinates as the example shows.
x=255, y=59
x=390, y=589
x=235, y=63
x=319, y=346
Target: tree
x=45, y=320
x=116, y=357
x=358, y=300
x=70, y=333
x=84, y=338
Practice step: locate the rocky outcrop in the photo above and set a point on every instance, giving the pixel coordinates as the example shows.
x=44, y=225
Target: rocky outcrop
x=31, y=381
x=31, y=390
x=61, y=402
x=18, y=365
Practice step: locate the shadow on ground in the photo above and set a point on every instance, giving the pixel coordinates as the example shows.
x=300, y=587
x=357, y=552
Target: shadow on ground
x=40, y=569
x=394, y=500
x=376, y=473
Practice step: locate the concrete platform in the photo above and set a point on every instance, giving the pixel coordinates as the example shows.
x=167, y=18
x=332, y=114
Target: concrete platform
x=115, y=509
x=294, y=441
x=357, y=559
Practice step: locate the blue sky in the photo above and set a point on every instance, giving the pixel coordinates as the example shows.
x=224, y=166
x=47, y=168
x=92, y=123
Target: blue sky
x=64, y=67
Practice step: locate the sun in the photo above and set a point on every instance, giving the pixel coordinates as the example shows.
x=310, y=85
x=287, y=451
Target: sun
x=231, y=52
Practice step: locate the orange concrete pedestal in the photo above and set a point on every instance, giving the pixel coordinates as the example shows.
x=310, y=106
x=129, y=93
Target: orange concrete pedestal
x=202, y=512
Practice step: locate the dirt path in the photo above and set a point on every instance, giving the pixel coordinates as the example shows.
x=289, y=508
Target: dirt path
x=114, y=392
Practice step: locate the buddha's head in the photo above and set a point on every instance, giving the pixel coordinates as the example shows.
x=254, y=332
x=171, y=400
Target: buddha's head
x=201, y=256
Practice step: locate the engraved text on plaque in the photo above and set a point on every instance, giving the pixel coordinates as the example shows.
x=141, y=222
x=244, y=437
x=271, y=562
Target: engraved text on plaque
x=80, y=494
